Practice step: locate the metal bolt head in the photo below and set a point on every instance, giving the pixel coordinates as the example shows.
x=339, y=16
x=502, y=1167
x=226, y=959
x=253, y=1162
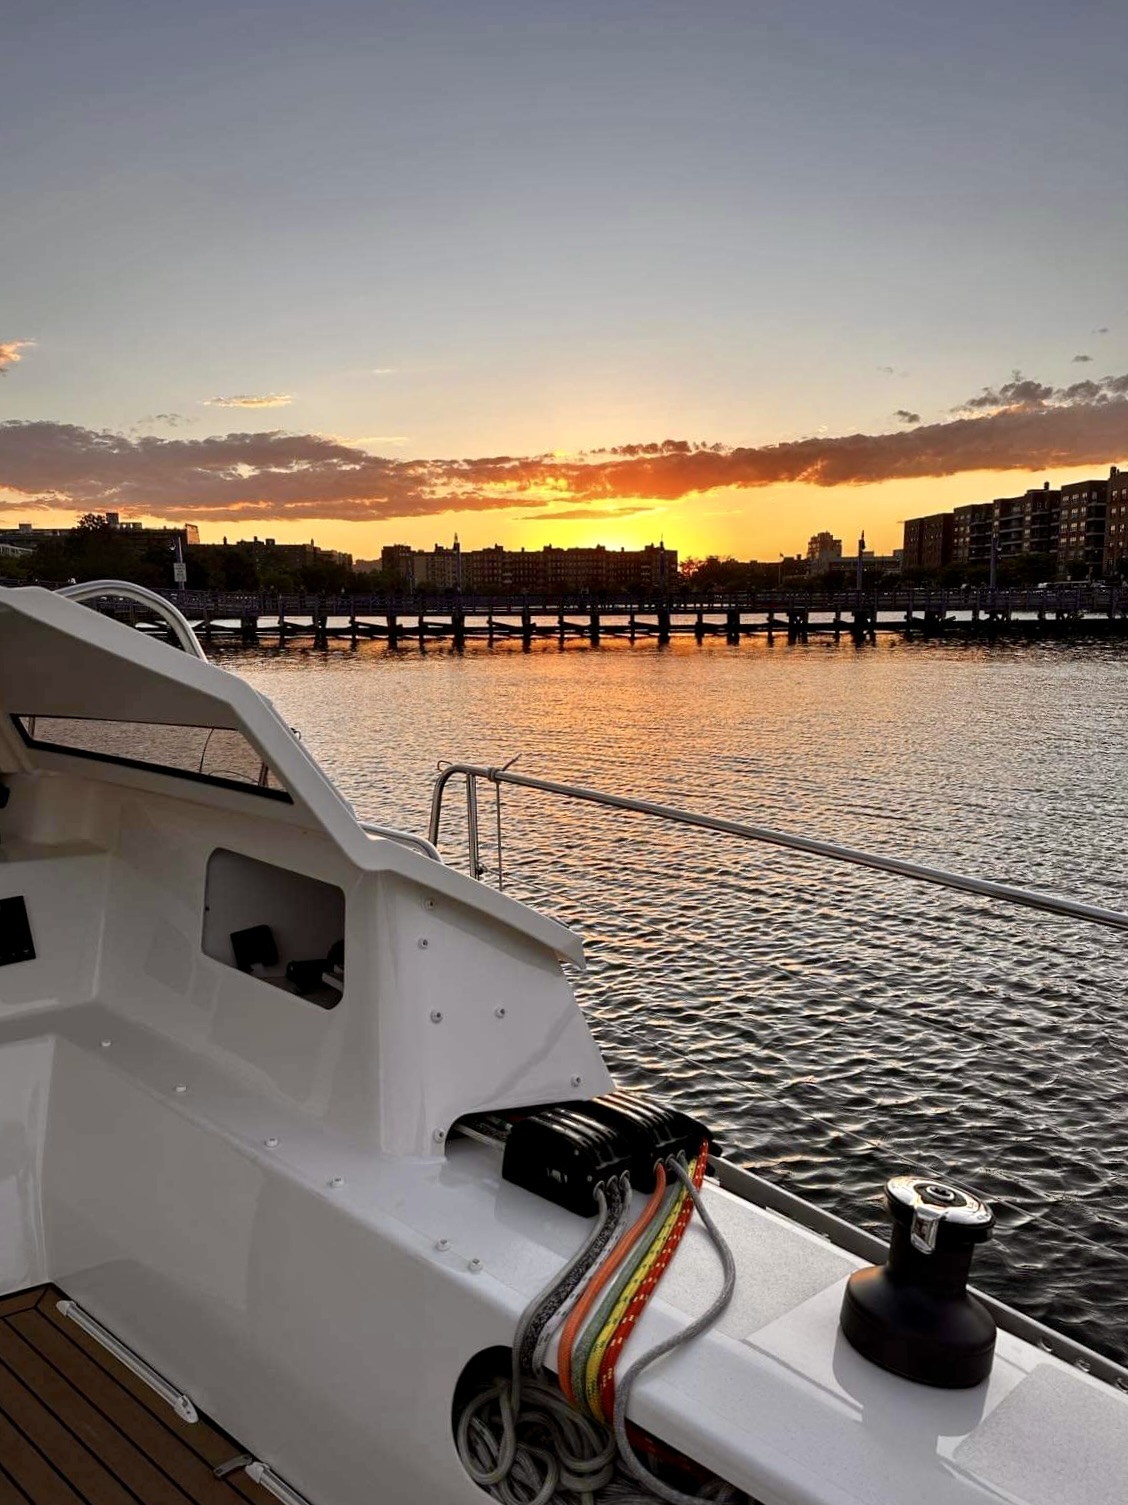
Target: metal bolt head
x=475, y=1266
x=442, y=1244
x=439, y=1135
x=423, y=943
x=337, y=1182
x=576, y=1080
x=105, y=1044
x=181, y=1087
x=436, y=1016
x=271, y=1143
x=499, y=1013
x=428, y=903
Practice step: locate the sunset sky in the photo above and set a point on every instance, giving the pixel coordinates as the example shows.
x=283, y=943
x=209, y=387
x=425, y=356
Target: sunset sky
x=720, y=271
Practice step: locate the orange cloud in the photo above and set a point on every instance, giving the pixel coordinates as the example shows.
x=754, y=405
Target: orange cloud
x=1021, y=425
x=10, y=353
x=247, y=400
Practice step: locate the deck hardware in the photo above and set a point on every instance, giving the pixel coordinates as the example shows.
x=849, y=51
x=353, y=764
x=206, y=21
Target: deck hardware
x=475, y=1266
x=423, y=943
x=1083, y=1365
x=499, y=1013
x=271, y=1143
x=181, y=1087
x=260, y=1474
x=428, y=903
x=239, y=1461
x=179, y=1402
x=436, y=1016
x=105, y=1044
x=576, y=1080
x=442, y=1245
x=337, y=1182
x=439, y=1135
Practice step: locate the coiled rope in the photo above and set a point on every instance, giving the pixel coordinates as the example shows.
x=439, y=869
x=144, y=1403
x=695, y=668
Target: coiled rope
x=524, y=1442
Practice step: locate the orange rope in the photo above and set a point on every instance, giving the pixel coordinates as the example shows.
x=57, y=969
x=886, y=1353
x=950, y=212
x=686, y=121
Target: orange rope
x=606, y=1382
x=600, y=1278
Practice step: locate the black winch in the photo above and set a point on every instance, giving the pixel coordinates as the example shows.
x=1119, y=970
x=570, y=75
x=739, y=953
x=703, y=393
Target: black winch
x=914, y=1315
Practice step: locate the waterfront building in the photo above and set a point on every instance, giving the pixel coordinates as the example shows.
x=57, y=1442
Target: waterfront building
x=1027, y=524
x=824, y=552
x=971, y=533
x=551, y=570
x=27, y=536
x=1084, y=514
x=1116, y=524
x=928, y=542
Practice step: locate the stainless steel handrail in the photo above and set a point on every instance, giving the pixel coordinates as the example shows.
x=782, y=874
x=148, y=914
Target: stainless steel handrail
x=1008, y=893
x=405, y=838
x=122, y=590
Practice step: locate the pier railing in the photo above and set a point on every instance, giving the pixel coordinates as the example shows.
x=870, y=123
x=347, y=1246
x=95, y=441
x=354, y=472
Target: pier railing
x=735, y=1178
x=1095, y=597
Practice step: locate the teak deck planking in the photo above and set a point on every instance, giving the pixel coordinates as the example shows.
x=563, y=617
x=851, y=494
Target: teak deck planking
x=78, y=1428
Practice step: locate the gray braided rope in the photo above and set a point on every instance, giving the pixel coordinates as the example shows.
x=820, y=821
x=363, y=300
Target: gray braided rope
x=699, y=1324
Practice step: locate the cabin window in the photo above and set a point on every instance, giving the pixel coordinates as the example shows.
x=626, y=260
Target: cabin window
x=211, y=754
x=283, y=928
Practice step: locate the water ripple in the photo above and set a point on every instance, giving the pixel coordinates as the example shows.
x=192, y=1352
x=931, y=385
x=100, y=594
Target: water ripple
x=836, y=1026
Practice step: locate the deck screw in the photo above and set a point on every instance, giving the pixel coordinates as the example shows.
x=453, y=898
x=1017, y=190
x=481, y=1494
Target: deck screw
x=181, y=1087
x=337, y=1182
x=436, y=1016
x=475, y=1266
x=428, y=903
x=105, y=1044
x=499, y=1013
x=423, y=943
x=576, y=1080
x=271, y=1143
x=442, y=1245
x=439, y=1135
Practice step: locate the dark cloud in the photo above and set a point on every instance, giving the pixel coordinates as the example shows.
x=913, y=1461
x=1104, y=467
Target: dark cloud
x=252, y=477
x=1081, y=359
x=1102, y=330
x=168, y=420
x=904, y=416
x=1019, y=392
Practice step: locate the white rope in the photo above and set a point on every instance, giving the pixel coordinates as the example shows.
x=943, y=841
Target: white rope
x=623, y=1385
x=522, y=1442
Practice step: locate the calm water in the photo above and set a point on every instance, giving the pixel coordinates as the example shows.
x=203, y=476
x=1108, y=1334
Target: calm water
x=835, y=1026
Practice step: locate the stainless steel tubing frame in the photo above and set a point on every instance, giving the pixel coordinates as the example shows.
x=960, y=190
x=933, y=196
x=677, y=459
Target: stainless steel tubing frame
x=122, y=590
x=1008, y=893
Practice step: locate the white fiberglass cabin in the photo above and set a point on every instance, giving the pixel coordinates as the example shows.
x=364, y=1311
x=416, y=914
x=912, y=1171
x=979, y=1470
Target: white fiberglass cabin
x=257, y=1065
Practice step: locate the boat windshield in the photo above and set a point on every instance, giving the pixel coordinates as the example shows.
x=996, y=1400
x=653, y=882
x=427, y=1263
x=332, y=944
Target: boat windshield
x=210, y=754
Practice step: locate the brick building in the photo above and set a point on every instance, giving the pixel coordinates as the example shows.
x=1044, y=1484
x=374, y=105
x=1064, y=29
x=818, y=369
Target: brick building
x=1116, y=524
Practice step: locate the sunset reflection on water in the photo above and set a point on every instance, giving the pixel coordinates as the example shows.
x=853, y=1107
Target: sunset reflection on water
x=836, y=1025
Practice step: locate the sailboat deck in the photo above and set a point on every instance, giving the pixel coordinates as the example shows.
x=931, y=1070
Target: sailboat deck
x=78, y=1428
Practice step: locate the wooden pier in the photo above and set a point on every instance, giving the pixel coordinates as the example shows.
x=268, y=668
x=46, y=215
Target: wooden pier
x=1065, y=611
